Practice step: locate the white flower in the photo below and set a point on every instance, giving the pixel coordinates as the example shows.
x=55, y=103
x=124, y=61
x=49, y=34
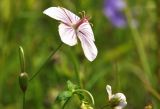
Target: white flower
x=116, y=101
x=72, y=28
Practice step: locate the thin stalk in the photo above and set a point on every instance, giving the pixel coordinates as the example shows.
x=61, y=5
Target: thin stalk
x=87, y=92
x=157, y=3
x=64, y=105
x=45, y=62
x=24, y=100
x=75, y=65
x=139, y=45
x=77, y=75
x=137, y=71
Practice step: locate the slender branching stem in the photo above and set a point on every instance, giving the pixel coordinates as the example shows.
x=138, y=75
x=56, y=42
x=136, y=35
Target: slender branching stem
x=45, y=62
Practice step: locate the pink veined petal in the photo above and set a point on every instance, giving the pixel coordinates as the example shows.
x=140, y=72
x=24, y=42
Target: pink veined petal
x=89, y=48
x=67, y=34
x=86, y=28
x=62, y=14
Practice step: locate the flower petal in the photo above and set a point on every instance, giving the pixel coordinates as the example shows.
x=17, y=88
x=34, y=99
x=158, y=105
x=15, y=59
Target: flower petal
x=62, y=15
x=87, y=30
x=67, y=34
x=122, y=99
x=109, y=91
x=89, y=48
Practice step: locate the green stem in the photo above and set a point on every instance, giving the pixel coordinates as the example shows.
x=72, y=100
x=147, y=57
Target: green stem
x=157, y=3
x=24, y=100
x=45, y=62
x=75, y=65
x=64, y=105
x=137, y=71
x=87, y=92
x=139, y=44
x=77, y=75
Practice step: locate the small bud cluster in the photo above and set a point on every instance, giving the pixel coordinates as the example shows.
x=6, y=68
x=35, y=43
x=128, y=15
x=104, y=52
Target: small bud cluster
x=85, y=105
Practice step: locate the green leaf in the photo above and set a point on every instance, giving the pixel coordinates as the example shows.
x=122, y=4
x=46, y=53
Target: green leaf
x=64, y=95
x=71, y=87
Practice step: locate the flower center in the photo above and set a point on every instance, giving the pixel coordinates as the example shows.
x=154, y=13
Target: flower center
x=81, y=21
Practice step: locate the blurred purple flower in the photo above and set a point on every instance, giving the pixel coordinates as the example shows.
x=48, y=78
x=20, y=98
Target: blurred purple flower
x=113, y=9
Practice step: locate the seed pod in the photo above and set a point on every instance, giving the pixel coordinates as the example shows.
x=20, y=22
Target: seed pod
x=23, y=81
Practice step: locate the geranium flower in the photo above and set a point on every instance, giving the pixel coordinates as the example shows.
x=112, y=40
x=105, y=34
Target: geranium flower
x=116, y=101
x=72, y=28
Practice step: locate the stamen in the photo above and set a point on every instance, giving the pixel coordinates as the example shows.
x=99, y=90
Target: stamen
x=84, y=13
x=89, y=17
x=81, y=13
x=91, y=24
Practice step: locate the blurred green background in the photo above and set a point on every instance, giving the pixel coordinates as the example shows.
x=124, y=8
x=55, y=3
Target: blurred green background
x=129, y=65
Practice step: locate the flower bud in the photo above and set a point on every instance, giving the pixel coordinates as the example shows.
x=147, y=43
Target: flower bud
x=148, y=106
x=23, y=81
x=85, y=105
